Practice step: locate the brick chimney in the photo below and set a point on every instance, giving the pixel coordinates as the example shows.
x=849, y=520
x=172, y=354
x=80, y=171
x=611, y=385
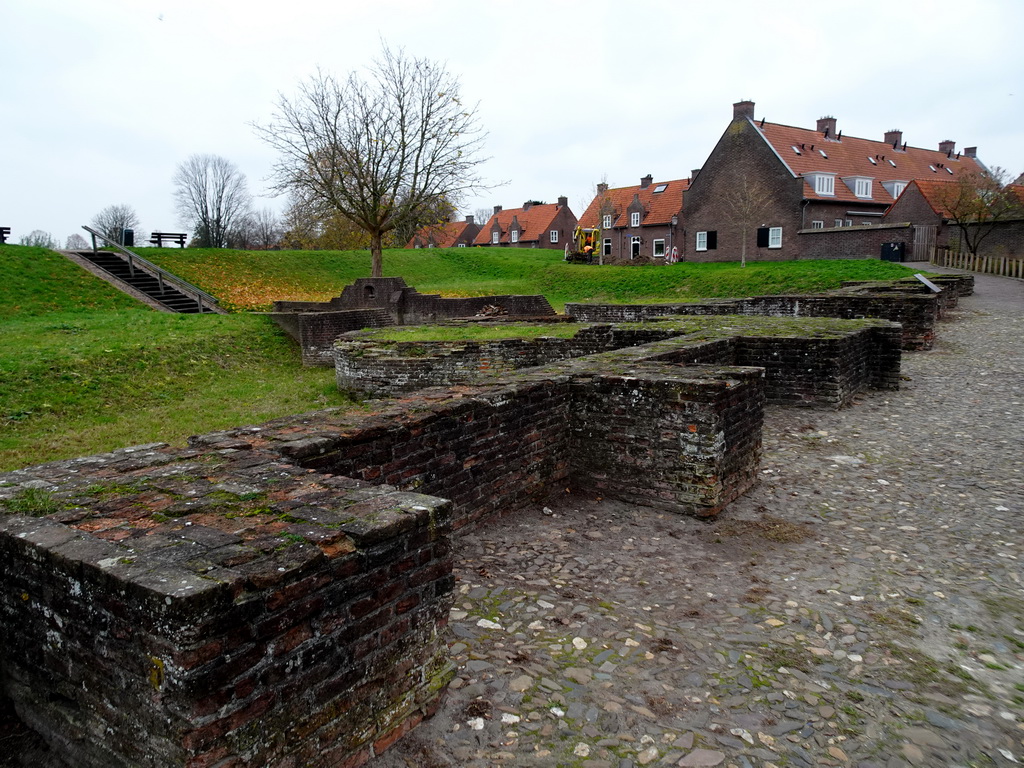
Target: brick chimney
x=693, y=173
x=602, y=187
x=469, y=219
x=947, y=146
x=563, y=201
x=645, y=181
x=970, y=152
x=894, y=138
x=827, y=127
x=527, y=205
x=497, y=209
x=743, y=109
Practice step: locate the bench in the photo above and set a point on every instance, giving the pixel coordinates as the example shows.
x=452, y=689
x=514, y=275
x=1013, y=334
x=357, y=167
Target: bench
x=4, y=232
x=157, y=238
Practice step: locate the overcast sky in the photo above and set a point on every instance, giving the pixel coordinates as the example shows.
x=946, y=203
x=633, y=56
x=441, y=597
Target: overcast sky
x=100, y=100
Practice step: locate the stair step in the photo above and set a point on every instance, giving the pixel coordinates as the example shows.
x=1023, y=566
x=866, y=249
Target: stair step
x=142, y=281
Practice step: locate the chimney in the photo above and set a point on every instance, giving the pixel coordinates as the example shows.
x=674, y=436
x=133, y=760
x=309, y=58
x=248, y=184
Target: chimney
x=497, y=209
x=469, y=219
x=947, y=146
x=645, y=181
x=602, y=187
x=894, y=138
x=693, y=173
x=743, y=109
x=970, y=152
x=827, y=127
x=563, y=201
x=527, y=204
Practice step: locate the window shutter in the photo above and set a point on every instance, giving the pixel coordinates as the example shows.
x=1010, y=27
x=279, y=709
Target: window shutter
x=762, y=237
x=712, y=240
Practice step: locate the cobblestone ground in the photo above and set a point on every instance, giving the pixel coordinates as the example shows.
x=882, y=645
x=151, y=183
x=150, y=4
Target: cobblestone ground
x=863, y=606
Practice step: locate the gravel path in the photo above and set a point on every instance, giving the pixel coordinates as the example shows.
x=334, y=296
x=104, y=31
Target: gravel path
x=863, y=606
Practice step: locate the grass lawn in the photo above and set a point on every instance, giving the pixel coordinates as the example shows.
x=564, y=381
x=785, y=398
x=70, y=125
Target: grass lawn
x=85, y=369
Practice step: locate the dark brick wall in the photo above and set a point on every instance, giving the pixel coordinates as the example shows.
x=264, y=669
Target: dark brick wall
x=740, y=158
x=853, y=242
x=315, y=332
x=192, y=646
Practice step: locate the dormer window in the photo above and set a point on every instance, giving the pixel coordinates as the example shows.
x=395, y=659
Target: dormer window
x=823, y=183
x=606, y=221
x=634, y=219
x=514, y=235
x=894, y=188
x=495, y=237
x=859, y=185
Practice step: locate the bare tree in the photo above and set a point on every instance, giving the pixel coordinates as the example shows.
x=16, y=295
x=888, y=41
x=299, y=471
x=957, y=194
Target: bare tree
x=266, y=228
x=75, y=243
x=305, y=229
x=212, y=196
x=39, y=239
x=977, y=202
x=114, y=219
x=381, y=151
x=748, y=203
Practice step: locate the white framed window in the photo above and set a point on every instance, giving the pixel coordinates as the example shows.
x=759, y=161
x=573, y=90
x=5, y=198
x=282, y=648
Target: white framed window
x=660, y=188
x=495, y=237
x=702, y=241
x=461, y=245
x=607, y=247
x=839, y=223
x=553, y=236
x=514, y=235
x=634, y=247
x=824, y=183
x=849, y=222
x=817, y=225
x=606, y=221
x=862, y=187
x=775, y=237
x=634, y=219
x=659, y=248
x=430, y=245
x=872, y=160
x=894, y=188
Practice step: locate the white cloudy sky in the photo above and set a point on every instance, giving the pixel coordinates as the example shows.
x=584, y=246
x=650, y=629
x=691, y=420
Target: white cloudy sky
x=100, y=100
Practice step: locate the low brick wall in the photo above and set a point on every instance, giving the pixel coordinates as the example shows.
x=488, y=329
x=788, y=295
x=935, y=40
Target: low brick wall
x=267, y=615
x=315, y=332
x=822, y=364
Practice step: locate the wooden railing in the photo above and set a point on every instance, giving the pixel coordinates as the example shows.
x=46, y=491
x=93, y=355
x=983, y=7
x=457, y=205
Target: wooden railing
x=1003, y=266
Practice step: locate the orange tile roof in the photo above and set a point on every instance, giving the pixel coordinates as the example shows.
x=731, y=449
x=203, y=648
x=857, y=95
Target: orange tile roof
x=659, y=208
x=532, y=223
x=852, y=156
x=935, y=193
x=443, y=236
x=1017, y=190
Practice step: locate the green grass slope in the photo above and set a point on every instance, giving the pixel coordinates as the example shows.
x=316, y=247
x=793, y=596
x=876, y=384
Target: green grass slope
x=253, y=280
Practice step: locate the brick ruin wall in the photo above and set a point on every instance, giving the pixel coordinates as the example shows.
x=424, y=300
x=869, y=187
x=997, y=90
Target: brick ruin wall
x=799, y=370
x=241, y=602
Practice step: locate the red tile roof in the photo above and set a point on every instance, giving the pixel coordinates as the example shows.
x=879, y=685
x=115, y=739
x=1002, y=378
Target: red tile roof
x=801, y=150
x=533, y=223
x=935, y=193
x=659, y=207
x=443, y=236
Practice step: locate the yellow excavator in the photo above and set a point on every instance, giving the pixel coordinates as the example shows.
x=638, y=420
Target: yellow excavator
x=586, y=242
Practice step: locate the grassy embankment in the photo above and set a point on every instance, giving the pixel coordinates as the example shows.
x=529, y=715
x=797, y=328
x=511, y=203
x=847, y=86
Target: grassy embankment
x=84, y=369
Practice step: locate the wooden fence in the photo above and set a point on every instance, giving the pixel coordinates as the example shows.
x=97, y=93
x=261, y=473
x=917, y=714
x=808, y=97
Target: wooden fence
x=1003, y=266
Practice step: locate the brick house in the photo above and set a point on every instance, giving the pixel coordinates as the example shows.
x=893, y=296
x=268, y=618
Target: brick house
x=639, y=224
x=764, y=183
x=451, y=234
x=535, y=225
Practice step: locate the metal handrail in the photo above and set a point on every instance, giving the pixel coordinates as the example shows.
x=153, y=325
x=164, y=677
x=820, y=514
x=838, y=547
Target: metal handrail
x=160, y=274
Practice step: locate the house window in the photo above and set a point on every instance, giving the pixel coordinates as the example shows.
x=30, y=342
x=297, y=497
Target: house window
x=862, y=187
x=849, y=222
x=430, y=245
x=897, y=188
x=495, y=237
x=607, y=249
x=660, y=188
x=702, y=241
x=824, y=184
x=659, y=248
x=775, y=237
x=839, y=222
x=461, y=245
x=606, y=221
x=817, y=225
x=514, y=235
x=553, y=236
x=634, y=219
x=634, y=247
x=872, y=160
